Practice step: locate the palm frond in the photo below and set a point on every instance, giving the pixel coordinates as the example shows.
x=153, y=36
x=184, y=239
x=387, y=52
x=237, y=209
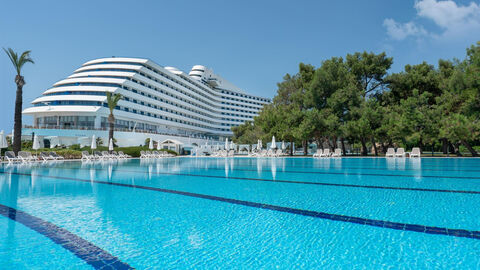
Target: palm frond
x=13, y=58
x=25, y=58
x=112, y=101
x=16, y=61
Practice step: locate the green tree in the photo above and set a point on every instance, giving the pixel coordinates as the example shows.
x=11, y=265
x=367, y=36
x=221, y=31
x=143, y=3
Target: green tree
x=422, y=77
x=18, y=63
x=283, y=117
x=459, y=104
x=334, y=94
x=247, y=133
x=112, y=101
x=369, y=70
x=363, y=126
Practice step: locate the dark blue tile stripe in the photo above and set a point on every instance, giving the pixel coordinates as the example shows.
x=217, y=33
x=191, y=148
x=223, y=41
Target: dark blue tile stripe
x=91, y=254
x=308, y=213
x=424, y=167
x=354, y=173
x=298, y=182
x=376, y=169
x=361, y=174
x=346, y=168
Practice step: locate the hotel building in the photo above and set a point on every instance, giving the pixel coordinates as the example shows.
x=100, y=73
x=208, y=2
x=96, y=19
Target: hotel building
x=158, y=102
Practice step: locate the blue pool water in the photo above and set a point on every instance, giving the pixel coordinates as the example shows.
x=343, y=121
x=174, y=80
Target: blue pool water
x=248, y=213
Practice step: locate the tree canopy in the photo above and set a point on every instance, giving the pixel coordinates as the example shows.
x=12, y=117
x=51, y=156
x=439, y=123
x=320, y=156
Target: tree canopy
x=355, y=99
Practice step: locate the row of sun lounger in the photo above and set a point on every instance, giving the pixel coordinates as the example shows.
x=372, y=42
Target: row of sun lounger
x=390, y=153
x=155, y=154
x=223, y=153
x=104, y=155
x=401, y=152
x=326, y=153
x=27, y=157
x=267, y=153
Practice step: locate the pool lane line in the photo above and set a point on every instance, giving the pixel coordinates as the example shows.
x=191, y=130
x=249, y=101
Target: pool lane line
x=292, y=181
x=340, y=173
x=88, y=252
x=309, y=213
x=425, y=167
x=370, y=168
x=355, y=174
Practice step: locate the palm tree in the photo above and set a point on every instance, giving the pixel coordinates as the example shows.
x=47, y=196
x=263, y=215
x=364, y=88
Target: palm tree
x=18, y=63
x=112, y=101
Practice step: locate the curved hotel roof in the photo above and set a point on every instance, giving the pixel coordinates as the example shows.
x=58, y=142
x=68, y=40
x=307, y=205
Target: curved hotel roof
x=155, y=99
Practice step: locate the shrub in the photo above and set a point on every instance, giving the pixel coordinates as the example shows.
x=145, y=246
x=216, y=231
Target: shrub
x=170, y=151
x=75, y=147
x=27, y=144
x=134, y=151
x=70, y=154
x=66, y=153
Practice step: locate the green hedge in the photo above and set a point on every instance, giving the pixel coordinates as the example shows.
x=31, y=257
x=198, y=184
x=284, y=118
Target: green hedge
x=66, y=153
x=134, y=151
x=75, y=152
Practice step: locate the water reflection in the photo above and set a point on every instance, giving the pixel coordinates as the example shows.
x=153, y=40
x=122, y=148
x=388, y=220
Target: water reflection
x=416, y=164
x=273, y=164
x=391, y=163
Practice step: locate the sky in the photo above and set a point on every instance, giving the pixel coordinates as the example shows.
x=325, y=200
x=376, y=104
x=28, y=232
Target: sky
x=253, y=44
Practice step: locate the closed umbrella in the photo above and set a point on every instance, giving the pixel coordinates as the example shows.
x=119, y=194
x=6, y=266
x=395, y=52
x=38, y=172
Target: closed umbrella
x=94, y=143
x=283, y=145
x=226, y=144
x=150, y=145
x=3, y=141
x=13, y=135
x=110, y=145
x=259, y=145
x=36, y=143
x=158, y=146
x=274, y=144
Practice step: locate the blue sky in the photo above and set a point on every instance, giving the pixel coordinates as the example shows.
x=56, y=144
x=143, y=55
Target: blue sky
x=250, y=43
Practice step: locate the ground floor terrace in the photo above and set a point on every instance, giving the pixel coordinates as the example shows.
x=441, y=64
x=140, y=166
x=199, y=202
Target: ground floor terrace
x=51, y=137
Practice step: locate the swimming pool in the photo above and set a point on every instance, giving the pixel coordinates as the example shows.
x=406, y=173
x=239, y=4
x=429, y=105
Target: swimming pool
x=242, y=213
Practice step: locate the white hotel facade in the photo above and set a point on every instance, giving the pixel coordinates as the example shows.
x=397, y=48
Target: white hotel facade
x=158, y=102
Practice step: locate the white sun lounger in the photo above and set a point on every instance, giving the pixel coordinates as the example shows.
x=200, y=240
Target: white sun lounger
x=98, y=155
x=400, y=152
x=46, y=157
x=10, y=157
x=390, y=152
x=318, y=153
x=56, y=156
x=86, y=156
x=337, y=153
x=326, y=153
x=415, y=152
x=26, y=157
x=123, y=155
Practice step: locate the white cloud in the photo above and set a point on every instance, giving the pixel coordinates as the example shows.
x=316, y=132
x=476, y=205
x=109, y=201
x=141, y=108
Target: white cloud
x=453, y=19
x=400, y=31
x=448, y=14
